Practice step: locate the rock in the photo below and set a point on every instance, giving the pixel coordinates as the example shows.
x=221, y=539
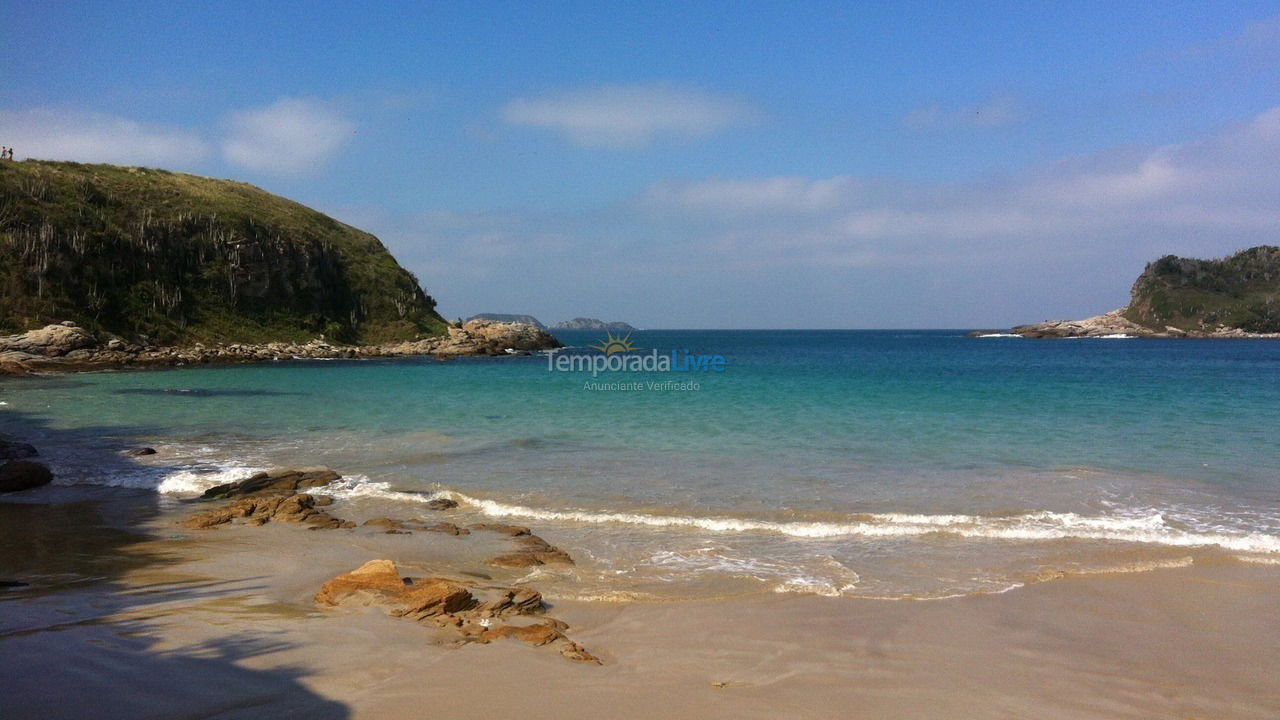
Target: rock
x=11, y=450
x=466, y=612
x=1112, y=323
x=532, y=551
x=512, y=530
x=404, y=527
x=442, y=504
x=536, y=635
x=575, y=652
x=50, y=340
x=285, y=481
x=378, y=583
x=17, y=475
x=138, y=452
x=261, y=509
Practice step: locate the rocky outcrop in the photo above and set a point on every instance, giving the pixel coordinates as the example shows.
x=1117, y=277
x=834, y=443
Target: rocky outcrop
x=17, y=475
x=591, y=324
x=300, y=508
x=479, y=337
x=1112, y=324
x=49, y=341
x=283, y=481
x=271, y=497
x=466, y=611
x=62, y=348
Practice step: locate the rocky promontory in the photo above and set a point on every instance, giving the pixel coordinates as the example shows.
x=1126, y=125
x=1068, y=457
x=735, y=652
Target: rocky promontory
x=1233, y=297
x=67, y=347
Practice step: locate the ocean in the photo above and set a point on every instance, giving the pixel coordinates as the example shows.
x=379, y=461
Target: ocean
x=895, y=464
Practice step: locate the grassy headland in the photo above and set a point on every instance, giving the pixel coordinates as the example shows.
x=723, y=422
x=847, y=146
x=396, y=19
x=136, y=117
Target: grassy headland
x=181, y=259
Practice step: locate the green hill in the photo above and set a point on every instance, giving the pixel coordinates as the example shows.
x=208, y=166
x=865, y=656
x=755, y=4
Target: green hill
x=183, y=259
x=1240, y=291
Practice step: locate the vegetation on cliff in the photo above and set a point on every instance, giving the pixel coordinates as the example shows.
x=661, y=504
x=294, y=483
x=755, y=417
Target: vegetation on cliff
x=182, y=259
x=1240, y=291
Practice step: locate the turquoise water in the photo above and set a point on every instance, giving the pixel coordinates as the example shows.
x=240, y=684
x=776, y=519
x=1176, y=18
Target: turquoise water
x=843, y=462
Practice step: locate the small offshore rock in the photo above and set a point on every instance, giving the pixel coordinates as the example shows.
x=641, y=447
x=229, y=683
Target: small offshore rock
x=442, y=504
x=139, y=452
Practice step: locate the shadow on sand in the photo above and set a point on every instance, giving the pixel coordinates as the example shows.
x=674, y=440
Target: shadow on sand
x=80, y=632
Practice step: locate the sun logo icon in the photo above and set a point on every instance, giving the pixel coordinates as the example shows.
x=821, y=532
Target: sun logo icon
x=611, y=344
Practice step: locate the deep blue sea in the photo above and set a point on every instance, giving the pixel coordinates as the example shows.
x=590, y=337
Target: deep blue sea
x=876, y=463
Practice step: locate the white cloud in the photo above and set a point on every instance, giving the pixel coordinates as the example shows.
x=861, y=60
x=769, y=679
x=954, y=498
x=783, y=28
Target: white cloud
x=628, y=115
x=289, y=136
x=1000, y=111
x=778, y=194
x=96, y=137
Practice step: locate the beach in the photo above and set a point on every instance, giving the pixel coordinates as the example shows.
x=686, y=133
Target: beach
x=838, y=524
x=223, y=624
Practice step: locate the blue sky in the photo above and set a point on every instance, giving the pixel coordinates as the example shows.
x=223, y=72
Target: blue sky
x=700, y=164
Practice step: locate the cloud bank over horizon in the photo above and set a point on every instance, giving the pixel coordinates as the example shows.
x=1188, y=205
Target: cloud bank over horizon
x=856, y=244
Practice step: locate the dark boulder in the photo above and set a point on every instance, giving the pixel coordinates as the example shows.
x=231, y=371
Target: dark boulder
x=18, y=475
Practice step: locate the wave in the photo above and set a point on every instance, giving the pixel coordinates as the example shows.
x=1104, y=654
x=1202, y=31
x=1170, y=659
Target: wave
x=999, y=335
x=1041, y=525
x=1149, y=528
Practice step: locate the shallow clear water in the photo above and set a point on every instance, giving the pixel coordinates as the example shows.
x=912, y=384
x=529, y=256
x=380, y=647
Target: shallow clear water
x=894, y=463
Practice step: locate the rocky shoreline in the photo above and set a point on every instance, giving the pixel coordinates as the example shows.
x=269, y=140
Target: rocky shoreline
x=457, y=611
x=460, y=611
x=1115, y=324
x=67, y=347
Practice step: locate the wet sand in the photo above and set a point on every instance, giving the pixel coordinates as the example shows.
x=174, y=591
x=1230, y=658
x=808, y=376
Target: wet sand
x=221, y=624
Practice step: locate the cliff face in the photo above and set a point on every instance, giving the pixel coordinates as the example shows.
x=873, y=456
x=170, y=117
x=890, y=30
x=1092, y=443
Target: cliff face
x=1241, y=291
x=180, y=259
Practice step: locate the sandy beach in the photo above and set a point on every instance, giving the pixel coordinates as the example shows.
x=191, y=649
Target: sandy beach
x=129, y=615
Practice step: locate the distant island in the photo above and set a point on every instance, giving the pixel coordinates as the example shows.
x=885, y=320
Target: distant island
x=507, y=317
x=580, y=323
x=1235, y=297
x=592, y=324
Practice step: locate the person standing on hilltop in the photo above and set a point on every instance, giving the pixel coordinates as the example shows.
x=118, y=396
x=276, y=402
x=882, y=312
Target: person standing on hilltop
x=4, y=153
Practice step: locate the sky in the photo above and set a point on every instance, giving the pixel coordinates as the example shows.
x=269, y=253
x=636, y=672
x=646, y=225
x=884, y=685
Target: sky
x=699, y=164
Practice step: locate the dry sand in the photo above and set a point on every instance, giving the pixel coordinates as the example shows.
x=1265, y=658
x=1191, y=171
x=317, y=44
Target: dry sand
x=221, y=624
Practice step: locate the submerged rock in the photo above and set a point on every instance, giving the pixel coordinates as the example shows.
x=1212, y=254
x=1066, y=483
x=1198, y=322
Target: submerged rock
x=17, y=475
x=530, y=550
x=138, y=452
